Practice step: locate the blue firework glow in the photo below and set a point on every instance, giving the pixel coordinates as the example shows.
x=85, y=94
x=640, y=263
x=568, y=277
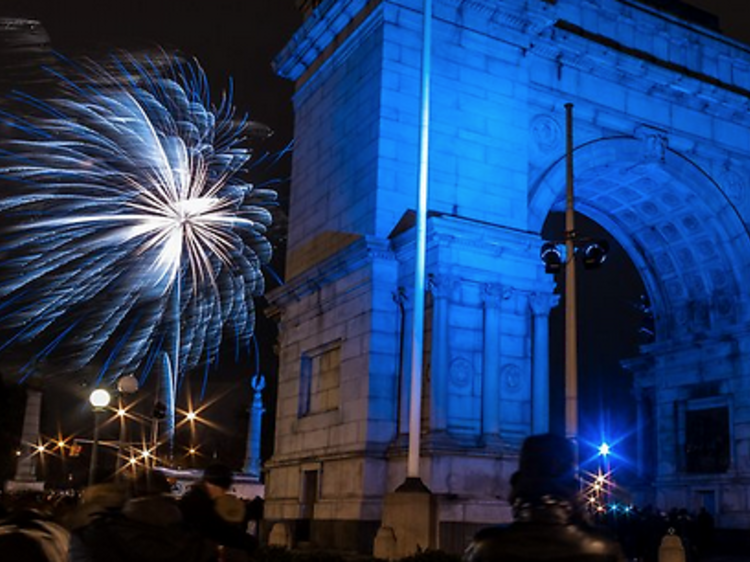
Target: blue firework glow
x=131, y=238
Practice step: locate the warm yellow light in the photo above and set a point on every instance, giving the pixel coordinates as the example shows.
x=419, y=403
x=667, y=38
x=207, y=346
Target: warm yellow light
x=192, y=450
x=132, y=461
x=18, y=453
x=40, y=448
x=61, y=444
x=146, y=454
x=191, y=416
x=121, y=412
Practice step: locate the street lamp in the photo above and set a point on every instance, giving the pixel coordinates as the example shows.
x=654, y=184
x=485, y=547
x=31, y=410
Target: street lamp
x=99, y=400
x=126, y=384
x=604, y=452
x=559, y=255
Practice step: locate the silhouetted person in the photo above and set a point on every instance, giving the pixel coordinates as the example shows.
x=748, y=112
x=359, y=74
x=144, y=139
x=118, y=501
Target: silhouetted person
x=148, y=528
x=29, y=535
x=204, y=508
x=704, y=531
x=548, y=518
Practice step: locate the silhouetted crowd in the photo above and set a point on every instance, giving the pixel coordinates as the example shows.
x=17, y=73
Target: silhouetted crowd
x=640, y=531
x=141, y=521
x=138, y=520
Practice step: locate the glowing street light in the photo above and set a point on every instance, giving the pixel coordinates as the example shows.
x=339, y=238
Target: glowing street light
x=604, y=449
x=99, y=400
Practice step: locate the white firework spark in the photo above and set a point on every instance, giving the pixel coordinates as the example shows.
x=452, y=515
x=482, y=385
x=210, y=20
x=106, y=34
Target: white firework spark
x=129, y=229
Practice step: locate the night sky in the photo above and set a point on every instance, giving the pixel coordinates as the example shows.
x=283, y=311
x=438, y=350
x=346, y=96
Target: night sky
x=239, y=38
x=236, y=39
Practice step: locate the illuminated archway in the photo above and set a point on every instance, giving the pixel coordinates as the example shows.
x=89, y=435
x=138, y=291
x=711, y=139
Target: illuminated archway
x=682, y=232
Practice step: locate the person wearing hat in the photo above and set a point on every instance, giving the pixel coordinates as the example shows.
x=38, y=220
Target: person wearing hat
x=210, y=510
x=548, y=520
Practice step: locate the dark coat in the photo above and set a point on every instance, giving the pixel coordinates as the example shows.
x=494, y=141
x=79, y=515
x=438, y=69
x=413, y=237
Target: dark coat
x=548, y=532
x=148, y=529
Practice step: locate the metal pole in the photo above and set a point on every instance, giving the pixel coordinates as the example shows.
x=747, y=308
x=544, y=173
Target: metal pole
x=94, y=450
x=415, y=409
x=571, y=339
x=121, y=442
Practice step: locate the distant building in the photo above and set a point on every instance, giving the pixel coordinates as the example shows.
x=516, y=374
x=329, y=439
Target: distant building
x=662, y=136
x=24, y=49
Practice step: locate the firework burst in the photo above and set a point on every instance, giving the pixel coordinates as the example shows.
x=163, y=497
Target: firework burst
x=130, y=238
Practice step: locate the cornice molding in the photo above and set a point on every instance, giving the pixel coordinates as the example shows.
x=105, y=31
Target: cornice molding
x=361, y=253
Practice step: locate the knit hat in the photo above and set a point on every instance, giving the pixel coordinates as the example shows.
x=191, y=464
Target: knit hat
x=547, y=467
x=219, y=475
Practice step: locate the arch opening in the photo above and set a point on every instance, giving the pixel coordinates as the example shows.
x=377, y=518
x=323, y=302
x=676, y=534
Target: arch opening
x=682, y=242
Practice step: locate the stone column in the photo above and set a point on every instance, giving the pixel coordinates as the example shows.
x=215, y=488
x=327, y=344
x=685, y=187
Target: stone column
x=641, y=420
x=253, y=461
x=541, y=304
x=441, y=288
x=26, y=477
x=493, y=296
x=407, y=311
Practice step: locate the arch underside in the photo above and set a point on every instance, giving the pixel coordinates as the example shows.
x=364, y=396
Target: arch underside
x=681, y=231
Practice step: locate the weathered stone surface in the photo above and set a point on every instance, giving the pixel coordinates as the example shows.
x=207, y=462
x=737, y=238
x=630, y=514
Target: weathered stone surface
x=662, y=136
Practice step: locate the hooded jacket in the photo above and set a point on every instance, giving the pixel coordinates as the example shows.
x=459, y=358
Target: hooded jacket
x=548, y=530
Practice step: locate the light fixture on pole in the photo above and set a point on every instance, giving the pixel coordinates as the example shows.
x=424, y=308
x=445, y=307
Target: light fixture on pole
x=126, y=384
x=99, y=400
x=559, y=255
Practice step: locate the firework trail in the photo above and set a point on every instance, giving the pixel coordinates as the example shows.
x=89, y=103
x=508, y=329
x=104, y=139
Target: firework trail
x=130, y=238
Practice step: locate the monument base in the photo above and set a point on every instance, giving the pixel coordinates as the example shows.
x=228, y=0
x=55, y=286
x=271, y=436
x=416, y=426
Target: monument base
x=243, y=486
x=19, y=486
x=408, y=524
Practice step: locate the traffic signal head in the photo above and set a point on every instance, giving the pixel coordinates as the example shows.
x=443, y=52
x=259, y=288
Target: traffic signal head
x=552, y=257
x=595, y=253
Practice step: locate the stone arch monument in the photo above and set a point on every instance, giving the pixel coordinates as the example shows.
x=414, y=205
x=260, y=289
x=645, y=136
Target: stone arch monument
x=662, y=141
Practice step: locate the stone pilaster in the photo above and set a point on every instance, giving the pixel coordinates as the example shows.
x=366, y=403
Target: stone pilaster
x=540, y=304
x=441, y=287
x=493, y=296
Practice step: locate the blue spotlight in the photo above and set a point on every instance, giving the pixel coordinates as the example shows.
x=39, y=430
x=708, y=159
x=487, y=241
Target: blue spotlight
x=604, y=449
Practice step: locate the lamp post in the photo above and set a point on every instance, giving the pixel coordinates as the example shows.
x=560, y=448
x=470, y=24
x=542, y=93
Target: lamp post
x=126, y=384
x=593, y=254
x=604, y=452
x=99, y=400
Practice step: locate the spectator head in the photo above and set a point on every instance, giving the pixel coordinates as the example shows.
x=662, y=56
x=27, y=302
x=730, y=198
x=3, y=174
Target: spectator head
x=218, y=478
x=106, y=496
x=547, y=467
x=150, y=483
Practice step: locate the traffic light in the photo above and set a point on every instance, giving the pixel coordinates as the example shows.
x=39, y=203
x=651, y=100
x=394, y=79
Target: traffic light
x=552, y=257
x=160, y=410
